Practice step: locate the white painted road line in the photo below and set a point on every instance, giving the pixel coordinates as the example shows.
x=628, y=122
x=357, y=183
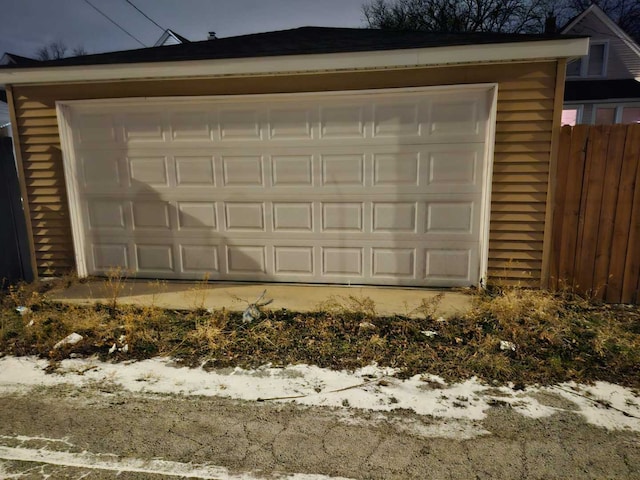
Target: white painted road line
x=114, y=463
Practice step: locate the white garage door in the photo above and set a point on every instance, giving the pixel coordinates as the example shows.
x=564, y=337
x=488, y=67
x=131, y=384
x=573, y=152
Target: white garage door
x=367, y=188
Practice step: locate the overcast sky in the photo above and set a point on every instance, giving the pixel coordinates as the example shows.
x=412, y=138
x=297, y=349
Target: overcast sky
x=26, y=25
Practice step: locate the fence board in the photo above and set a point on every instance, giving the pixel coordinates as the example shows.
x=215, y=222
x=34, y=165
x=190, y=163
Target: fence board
x=590, y=208
x=558, y=212
x=622, y=220
x=596, y=223
x=611, y=180
x=632, y=263
x=571, y=214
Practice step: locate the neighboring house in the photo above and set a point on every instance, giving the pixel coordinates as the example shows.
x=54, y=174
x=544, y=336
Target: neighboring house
x=602, y=87
x=169, y=37
x=5, y=119
x=314, y=155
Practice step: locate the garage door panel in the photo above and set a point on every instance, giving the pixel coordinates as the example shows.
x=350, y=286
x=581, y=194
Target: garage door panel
x=434, y=168
x=343, y=122
x=395, y=217
x=396, y=119
x=101, y=170
x=396, y=169
x=342, y=217
x=243, y=216
x=292, y=216
x=241, y=124
x=453, y=217
x=393, y=263
x=190, y=126
x=368, y=188
x=194, y=171
x=246, y=259
x=109, y=255
x=290, y=260
x=290, y=123
x=242, y=170
x=151, y=215
x=154, y=258
x=292, y=170
x=199, y=259
x=455, y=117
x=197, y=215
x=105, y=214
x=148, y=171
x=343, y=169
x=450, y=264
x=453, y=167
x=144, y=127
x=342, y=261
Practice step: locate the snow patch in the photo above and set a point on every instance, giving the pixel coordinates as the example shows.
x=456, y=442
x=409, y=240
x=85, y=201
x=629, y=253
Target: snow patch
x=371, y=388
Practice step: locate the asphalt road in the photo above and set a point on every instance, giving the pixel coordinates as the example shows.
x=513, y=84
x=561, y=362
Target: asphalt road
x=101, y=432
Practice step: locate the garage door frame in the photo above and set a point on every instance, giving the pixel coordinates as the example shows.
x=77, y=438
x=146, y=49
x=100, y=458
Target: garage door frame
x=64, y=109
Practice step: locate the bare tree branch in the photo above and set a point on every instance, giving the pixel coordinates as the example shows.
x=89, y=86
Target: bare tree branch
x=58, y=49
x=512, y=16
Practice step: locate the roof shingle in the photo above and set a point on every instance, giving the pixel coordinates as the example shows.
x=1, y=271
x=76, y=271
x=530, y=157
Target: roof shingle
x=298, y=41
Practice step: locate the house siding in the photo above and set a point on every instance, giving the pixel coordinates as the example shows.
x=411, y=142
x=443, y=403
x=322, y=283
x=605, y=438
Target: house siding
x=619, y=52
x=521, y=161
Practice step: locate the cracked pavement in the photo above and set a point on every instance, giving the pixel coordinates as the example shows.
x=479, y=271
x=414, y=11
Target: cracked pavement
x=263, y=439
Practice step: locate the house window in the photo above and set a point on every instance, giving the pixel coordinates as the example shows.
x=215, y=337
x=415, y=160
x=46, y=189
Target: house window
x=631, y=115
x=593, y=65
x=571, y=115
x=574, y=68
x=605, y=116
x=610, y=114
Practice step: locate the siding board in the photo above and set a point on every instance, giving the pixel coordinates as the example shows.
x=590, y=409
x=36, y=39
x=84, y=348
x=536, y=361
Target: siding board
x=523, y=145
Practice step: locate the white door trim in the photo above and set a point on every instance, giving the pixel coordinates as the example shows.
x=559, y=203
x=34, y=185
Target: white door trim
x=63, y=110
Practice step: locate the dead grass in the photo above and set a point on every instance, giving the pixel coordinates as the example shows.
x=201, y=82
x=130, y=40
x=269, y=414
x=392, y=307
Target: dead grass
x=556, y=337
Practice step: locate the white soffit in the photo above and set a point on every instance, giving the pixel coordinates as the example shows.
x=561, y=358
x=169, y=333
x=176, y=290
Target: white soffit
x=416, y=57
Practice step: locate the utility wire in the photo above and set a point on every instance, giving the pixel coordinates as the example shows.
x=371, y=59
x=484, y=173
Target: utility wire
x=113, y=21
x=146, y=16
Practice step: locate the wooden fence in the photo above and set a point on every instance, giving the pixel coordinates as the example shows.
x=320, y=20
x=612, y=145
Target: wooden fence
x=596, y=223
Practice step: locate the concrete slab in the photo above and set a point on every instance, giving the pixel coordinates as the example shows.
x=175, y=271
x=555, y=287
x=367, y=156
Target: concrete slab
x=234, y=297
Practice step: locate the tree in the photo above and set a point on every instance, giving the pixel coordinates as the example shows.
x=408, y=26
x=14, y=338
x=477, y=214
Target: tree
x=512, y=16
x=626, y=13
x=58, y=49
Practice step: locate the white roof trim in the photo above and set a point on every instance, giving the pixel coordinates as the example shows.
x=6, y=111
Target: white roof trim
x=438, y=56
x=610, y=24
x=165, y=35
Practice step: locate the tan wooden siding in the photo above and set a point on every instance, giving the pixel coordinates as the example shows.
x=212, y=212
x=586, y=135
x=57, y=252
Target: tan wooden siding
x=522, y=149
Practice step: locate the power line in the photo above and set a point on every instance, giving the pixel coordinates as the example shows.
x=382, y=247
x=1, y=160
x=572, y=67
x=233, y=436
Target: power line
x=145, y=15
x=113, y=21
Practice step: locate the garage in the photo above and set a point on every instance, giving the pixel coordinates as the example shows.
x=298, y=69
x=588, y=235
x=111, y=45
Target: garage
x=311, y=155
x=385, y=187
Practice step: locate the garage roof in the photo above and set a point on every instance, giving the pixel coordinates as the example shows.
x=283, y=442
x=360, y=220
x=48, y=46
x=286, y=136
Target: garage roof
x=299, y=41
x=332, y=48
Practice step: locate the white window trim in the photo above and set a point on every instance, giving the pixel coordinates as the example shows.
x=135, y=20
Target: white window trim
x=618, y=110
x=578, y=107
x=584, y=66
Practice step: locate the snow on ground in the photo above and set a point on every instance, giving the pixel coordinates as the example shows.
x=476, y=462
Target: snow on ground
x=371, y=388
